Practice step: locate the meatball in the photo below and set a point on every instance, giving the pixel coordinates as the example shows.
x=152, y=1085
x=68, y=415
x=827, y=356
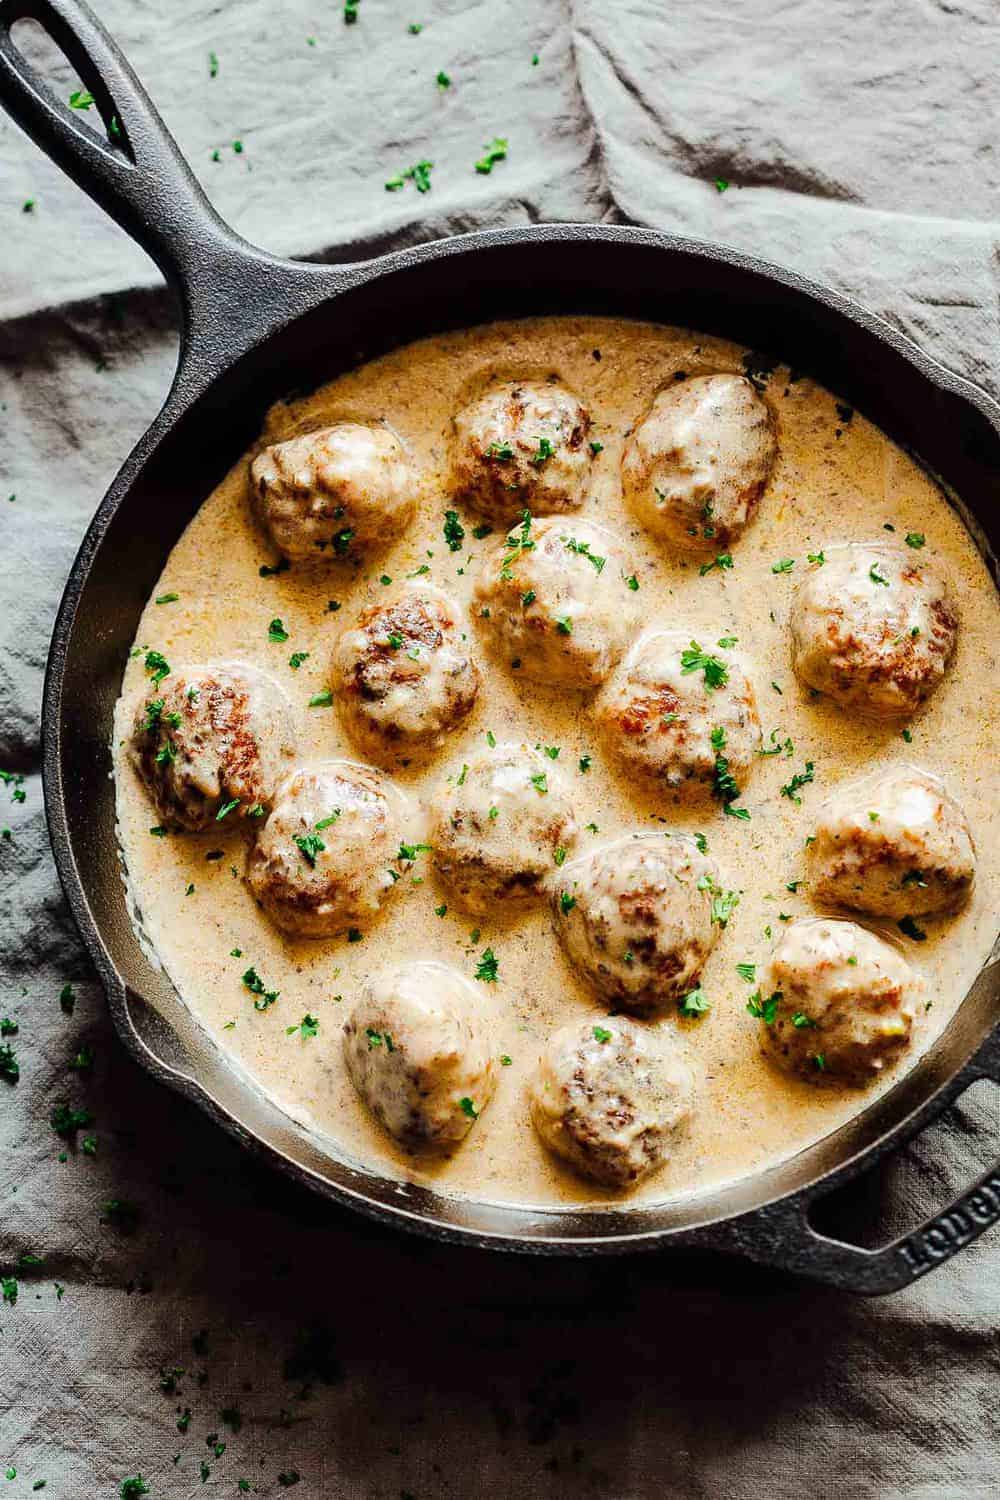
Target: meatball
x=209, y=743
x=874, y=627
x=327, y=855
x=344, y=488
x=893, y=845
x=499, y=825
x=836, y=1002
x=665, y=715
x=555, y=597
x=609, y=1098
x=522, y=446
x=403, y=677
x=696, y=466
x=639, y=917
x=418, y=1050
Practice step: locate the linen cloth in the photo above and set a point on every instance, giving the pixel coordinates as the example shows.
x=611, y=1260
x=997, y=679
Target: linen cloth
x=330, y=1357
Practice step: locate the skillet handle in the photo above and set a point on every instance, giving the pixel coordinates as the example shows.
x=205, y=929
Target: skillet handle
x=792, y=1242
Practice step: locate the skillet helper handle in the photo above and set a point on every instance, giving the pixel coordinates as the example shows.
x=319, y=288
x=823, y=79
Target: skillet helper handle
x=798, y=1246
x=118, y=150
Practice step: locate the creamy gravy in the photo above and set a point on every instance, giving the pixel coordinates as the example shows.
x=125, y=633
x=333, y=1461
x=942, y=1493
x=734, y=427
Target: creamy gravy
x=835, y=480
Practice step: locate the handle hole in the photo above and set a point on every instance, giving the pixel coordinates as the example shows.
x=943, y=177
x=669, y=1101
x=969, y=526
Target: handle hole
x=75, y=85
x=915, y=1183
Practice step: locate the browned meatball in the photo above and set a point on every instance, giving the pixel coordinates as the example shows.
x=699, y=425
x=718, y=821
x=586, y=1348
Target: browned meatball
x=664, y=716
x=522, y=446
x=874, y=627
x=328, y=853
x=697, y=464
x=609, y=1097
x=499, y=825
x=639, y=916
x=334, y=492
x=836, y=1002
x=894, y=845
x=404, y=677
x=210, y=742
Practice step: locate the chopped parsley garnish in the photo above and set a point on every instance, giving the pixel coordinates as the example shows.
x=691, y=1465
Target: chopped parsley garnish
x=297, y=658
x=132, y=1488
x=693, y=659
x=583, y=550
x=213, y=65
x=409, y=852
x=584, y=764
x=721, y=184
x=166, y=754
x=596, y=447
x=540, y=782
x=800, y=779
x=764, y=1010
x=632, y=583
x=560, y=856
x=8, y=1027
x=819, y=1061
x=694, y=1003
x=468, y=1108
x=321, y=700
x=816, y=557
x=876, y=576
x=801, y=1021
x=81, y=99
x=566, y=902
x=309, y=845
x=500, y=453
x=462, y=775
x=722, y=561
x=354, y=934
x=747, y=972
x=328, y=821
x=488, y=967
x=528, y=598
x=442, y=80
x=910, y=929
x=908, y=736
x=564, y=625
x=67, y=1000
x=724, y=903
x=419, y=174
x=702, y=842
x=912, y=877
x=439, y=911
x=226, y=809
x=494, y=151
x=254, y=983
x=307, y=1027
x=785, y=565
x=66, y=1122
x=542, y=453
x=915, y=539
x=552, y=751
x=157, y=665
x=342, y=542
x=778, y=745
x=505, y=1060
x=167, y=598
x=10, y=1069
x=454, y=531
x=276, y=631
x=351, y=11
x=601, y=1034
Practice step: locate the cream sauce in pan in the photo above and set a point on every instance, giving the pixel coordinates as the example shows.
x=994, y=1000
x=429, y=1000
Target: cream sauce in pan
x=835, y=480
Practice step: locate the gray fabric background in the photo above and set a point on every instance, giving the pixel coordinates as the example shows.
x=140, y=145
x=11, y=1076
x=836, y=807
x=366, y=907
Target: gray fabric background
x=861, y=143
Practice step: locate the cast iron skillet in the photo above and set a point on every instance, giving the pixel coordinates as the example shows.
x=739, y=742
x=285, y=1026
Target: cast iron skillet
x=255, y=327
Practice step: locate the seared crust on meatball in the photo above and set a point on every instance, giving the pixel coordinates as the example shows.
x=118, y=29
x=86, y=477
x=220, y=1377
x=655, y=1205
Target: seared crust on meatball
x=554, y=596
x=874, y=627
x=419, y=1051
x=894, y=845
x=209, y=737
x=335, y=492
x=609, y=1098
x=326, y=856
x=522, y=446
x=836, y=1002
x=697, y=464
x=667, y=719
x=404, y=677
x=636, y=917
x=497, y=825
